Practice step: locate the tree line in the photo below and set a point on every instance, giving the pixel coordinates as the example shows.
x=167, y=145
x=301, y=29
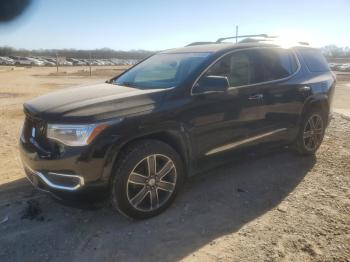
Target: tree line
x=333, y=51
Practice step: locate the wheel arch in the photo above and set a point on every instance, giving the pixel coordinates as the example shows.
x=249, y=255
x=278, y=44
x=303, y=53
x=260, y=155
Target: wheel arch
x=319, y=102
x=174, y=138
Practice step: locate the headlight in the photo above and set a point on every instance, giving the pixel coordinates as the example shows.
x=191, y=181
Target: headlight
x=74, y=135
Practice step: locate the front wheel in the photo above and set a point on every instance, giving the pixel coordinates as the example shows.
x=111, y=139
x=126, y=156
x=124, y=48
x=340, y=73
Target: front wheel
x=311, y=133
x=147, y=178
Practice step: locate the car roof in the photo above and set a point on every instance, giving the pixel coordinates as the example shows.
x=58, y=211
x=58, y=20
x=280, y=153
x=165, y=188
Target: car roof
x=222, y=47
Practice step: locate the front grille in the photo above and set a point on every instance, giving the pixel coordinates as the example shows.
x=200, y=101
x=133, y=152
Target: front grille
x=26, y=131
x=34, y=133
x=34, y=128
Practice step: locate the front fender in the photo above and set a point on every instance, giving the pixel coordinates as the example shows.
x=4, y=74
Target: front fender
x=170, y=132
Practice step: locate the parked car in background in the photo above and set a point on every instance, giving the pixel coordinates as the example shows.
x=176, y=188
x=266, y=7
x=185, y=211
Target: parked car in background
x=344, y=67
x=67, y=63
x=36, y=61
x=6, y=61
x=76, y=62
x=332, y=65
x=22, y=61
x=46, y=62
x=51, y=61
x=100, y=62
x=91, y=62
x=61, y=63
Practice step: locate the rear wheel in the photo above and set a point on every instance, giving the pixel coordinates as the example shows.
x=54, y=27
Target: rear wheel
x=311, y=133
x=147, y=179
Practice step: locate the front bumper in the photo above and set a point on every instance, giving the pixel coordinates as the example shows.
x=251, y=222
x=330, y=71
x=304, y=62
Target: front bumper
x=46, y=181
x=73, y=171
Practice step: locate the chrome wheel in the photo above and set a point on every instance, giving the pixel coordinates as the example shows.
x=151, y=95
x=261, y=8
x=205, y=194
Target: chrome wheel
x=151, y=183
x=313, y=132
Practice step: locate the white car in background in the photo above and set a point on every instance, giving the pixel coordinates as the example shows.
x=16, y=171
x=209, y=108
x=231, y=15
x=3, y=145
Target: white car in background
x=24, y=61
x=345, y=67
x=45, y=61
x=6, y=61
x=35, y=61
x=67, y=63
x=76, y=62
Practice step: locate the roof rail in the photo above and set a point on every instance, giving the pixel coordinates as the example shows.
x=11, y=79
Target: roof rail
x=247, y=39
x=270, y=38
x=200, y=43
x=242, y=36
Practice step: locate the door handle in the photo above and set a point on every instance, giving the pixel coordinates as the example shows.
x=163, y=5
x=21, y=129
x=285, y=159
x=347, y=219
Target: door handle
x=256, y=97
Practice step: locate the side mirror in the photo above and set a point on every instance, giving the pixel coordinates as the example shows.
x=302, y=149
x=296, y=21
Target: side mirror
x=211, y=84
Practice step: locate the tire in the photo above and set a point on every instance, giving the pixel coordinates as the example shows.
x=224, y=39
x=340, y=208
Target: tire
x=147, y=177
x=310, y=138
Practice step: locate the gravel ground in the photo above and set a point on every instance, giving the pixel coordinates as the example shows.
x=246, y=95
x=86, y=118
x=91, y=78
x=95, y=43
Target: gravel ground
x=272, y=206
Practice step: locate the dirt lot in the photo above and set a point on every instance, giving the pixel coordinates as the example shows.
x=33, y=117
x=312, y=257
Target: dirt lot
x=272, y=206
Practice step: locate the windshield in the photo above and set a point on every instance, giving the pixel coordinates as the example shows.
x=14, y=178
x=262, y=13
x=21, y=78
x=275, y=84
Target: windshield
x=161, y=70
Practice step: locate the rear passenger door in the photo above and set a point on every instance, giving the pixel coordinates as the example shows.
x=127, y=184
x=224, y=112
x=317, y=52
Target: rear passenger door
x=283, y=94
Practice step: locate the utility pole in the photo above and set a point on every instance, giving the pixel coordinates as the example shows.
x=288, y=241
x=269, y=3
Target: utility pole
x=236, y=33
x=90, y=62
x=57, y=62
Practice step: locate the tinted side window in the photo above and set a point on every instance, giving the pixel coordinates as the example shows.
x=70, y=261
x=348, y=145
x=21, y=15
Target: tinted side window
x=277, y=63
x=242, y=70
x=239, y=68
x=314, y=60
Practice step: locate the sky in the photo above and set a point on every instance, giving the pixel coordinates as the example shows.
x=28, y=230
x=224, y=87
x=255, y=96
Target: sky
x=162, y=24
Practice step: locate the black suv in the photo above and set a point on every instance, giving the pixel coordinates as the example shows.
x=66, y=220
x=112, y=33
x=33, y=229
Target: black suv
x=139, y=135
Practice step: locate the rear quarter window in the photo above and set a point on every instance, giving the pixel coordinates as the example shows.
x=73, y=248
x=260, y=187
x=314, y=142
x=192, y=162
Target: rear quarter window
x=314, y=60
x=277, y=63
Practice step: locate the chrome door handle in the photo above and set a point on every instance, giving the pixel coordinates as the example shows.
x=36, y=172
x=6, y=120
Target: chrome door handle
x=256, y=97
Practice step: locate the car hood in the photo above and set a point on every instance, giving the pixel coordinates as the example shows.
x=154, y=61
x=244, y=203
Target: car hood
x=93, y=103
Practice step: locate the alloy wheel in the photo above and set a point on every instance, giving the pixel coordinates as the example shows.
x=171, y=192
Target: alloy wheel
x=151, y=182
x=313, y=132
